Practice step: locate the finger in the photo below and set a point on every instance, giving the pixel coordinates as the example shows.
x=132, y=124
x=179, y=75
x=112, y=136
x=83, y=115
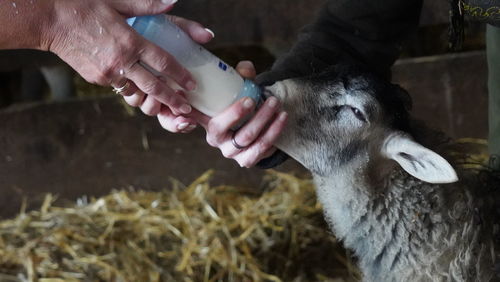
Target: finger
x=220, y=126
x=200, y=118
x=251, y=161
x=252, y=129
x=250, y=133
x=142, y=8
x=135, y=100
x=151, y=85
x=260, y=148
x=246, y=69
x=228, y=150
x=269, y=153
x=150, y=106
x=125, y=87
x=174, y=123
x=166, y=65
x=195, y=30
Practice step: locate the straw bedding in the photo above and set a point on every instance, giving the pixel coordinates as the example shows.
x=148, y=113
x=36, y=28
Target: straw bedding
x=186, y=233
x=193, y=233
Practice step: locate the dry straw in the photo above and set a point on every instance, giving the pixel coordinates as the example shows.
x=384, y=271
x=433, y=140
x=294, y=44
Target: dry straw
x=193, y=233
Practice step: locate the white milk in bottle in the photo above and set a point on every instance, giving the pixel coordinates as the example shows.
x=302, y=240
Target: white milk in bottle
x=218, y=84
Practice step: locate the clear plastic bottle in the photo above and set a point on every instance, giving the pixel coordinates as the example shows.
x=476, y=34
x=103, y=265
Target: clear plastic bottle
x=218, y=84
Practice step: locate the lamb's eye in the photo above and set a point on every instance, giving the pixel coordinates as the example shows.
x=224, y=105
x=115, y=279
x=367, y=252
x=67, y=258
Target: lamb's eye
x=358, y=114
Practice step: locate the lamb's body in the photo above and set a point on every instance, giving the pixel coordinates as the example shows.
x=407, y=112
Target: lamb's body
x=409, y=230
x=352, y=131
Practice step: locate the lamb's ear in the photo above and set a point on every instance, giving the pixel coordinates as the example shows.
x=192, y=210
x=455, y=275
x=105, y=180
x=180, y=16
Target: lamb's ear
x=417, y=160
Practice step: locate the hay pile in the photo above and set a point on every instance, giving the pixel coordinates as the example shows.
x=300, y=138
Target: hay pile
x=194, y=233
x=470, y=153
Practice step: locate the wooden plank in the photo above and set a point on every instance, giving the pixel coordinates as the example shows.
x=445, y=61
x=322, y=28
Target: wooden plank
x=90, y=147
x=449, y=91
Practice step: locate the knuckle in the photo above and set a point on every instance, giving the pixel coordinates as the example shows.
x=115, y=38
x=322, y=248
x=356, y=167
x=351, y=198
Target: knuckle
x=211, y=140
x=109, y=70
x=121, y=56
x=246, y=137
x=262, y=147
x=129, y=39
x=226, y=154
x=184, y=76
x=244, y=163
x=169, y=100
x=214, y=131
x=100, y=79
x=135, y=102
x=149, y=111
x=163, y=64
x=153, y=87
x=240, y=111
x=211, y=125
x=149, y=5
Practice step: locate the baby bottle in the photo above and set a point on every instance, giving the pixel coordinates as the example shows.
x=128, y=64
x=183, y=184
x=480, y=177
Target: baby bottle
x=218, y=84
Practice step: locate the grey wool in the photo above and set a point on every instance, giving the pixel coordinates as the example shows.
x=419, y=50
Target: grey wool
x=402, y=208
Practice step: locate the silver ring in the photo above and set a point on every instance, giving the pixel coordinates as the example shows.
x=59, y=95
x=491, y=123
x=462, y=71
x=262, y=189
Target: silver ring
x=121, y=90
x=235, y=144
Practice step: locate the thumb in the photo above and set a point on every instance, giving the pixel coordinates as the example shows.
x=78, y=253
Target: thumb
x=246, y=69
x=131, y=8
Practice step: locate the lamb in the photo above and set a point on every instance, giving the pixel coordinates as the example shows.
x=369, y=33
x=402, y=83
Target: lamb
x=395, y=203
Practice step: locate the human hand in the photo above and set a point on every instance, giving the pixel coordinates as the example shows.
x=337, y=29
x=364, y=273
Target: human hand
x=176, y=123
x=149, y=104
x=93, y=38
x=252, y=142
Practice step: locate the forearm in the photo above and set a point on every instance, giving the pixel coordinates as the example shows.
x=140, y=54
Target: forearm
x=365, y=31
x=24, y=23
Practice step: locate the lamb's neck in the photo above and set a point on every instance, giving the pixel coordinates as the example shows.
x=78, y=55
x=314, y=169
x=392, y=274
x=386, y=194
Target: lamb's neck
x=377, y=220
x=345, y=200
x=348, y=193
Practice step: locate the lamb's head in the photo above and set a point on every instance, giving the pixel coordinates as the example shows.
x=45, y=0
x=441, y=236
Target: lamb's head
x=346, y=118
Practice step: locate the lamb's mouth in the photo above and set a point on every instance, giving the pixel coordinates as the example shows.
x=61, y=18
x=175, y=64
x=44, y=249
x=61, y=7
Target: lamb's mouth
x=278, y=90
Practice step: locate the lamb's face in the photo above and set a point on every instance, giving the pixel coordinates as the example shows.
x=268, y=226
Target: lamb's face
x=334, y=118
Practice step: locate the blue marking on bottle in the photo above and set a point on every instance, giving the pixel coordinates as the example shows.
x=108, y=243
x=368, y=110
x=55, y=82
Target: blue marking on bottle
x=222, y=66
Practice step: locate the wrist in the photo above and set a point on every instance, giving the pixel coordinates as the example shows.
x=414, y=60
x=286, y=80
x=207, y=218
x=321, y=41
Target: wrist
x=24, y=23
x=47, y=29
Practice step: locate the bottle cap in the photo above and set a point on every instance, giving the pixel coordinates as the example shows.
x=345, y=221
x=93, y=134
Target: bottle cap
x=252, y=90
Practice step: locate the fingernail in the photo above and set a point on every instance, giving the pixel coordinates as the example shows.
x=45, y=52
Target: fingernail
x=182, y=126
x=191, y=127
x=283, y=116
x=186, y=109
x=171, y=2
x=272, y=102
x=248, y=103
x=246, y=64
x=211, y=32
x=190, y=85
